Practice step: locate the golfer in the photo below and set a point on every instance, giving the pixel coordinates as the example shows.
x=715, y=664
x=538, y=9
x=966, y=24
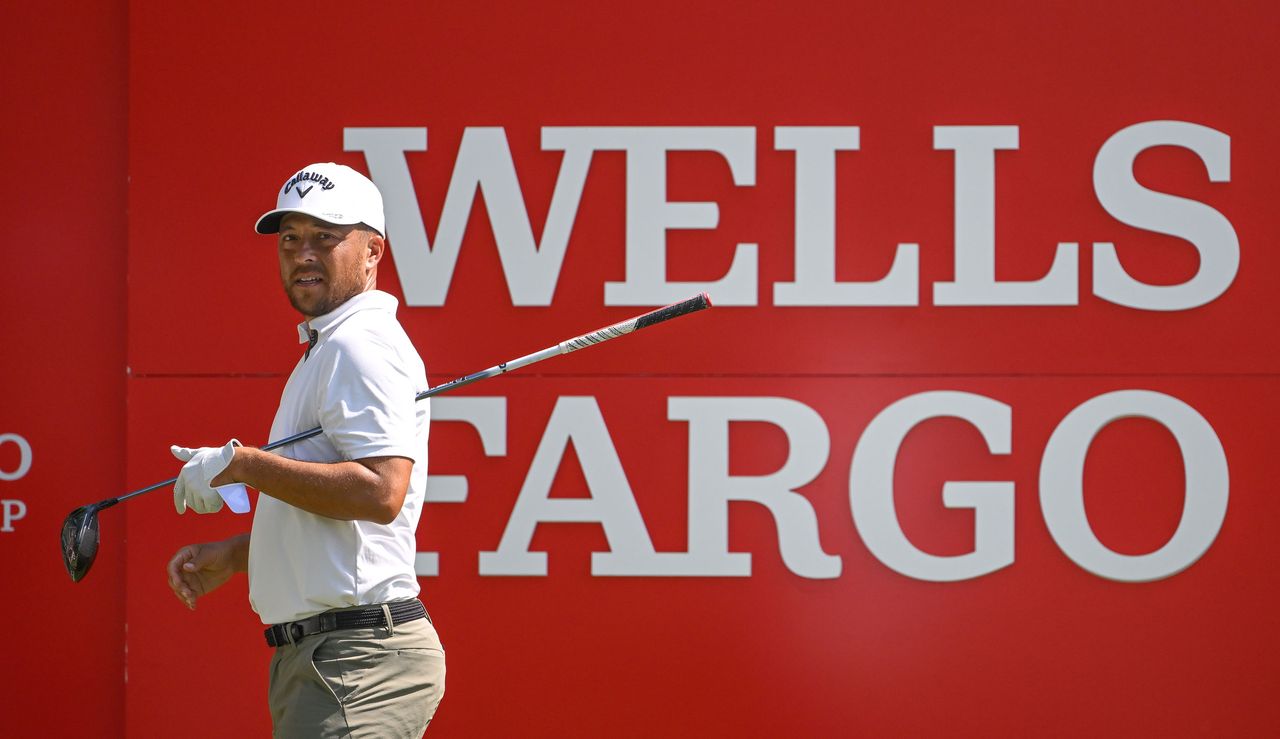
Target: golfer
x=330, y=555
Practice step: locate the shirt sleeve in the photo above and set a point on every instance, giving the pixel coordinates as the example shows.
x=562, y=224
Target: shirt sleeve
x=367, y=408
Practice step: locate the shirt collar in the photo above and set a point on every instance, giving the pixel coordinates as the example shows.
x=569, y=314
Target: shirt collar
x=369, y=300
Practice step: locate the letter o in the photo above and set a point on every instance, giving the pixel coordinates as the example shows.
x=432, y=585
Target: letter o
x=24, y=457
x=1062, y=485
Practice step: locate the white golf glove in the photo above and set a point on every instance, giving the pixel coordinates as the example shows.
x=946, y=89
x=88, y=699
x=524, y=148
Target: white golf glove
x=194, y=489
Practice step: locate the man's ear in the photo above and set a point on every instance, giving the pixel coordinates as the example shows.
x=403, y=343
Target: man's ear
x=377, y=247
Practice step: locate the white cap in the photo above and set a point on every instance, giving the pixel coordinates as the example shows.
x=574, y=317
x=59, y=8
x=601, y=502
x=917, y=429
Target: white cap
x=331, y=192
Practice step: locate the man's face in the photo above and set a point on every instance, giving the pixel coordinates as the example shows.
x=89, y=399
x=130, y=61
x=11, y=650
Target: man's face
x=323, y=265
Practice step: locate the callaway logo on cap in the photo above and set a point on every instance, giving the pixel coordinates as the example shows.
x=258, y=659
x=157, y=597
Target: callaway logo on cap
x=331, y=192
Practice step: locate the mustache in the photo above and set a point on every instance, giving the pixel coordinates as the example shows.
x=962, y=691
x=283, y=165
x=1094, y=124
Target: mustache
x=306, y=272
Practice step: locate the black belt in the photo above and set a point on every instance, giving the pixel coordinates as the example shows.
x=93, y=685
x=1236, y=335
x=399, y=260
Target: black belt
x=402, y=611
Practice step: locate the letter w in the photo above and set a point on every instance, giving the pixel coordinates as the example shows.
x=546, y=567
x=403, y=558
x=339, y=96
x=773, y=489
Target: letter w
x=484, y=161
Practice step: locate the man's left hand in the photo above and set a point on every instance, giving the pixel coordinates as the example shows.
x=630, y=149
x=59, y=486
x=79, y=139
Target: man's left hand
x=194, y=487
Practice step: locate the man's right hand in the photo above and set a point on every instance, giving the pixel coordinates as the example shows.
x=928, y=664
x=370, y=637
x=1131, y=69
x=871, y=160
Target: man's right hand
x=199, y=569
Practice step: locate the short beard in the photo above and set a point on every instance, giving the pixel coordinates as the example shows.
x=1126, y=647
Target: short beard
x=333, y=302
x=325, y=307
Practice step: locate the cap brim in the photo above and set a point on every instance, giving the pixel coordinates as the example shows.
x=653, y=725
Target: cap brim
x=269, y=223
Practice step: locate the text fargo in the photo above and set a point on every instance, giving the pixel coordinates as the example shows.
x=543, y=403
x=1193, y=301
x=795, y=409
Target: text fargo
x=531, y=265
x=578, y=422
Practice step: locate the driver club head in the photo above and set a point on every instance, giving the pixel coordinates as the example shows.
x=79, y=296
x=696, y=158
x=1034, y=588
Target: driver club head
x=80, y=541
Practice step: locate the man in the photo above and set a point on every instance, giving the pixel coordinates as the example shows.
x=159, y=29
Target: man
x=331, y=551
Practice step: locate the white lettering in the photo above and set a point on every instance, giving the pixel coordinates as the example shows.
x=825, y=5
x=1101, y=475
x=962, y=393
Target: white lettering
x=711, y=487
x=531, y=266
x=488, y=416
x=24, y=457
x=1062, y=485
x=815, y=230
x=484, y=164
x=871, y=488
x=649, y=215
x=1129, y=202
x=975, y=235
x=13, y=511
x=611, y=504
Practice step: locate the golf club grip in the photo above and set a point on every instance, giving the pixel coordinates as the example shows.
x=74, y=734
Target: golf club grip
x=675, y=310
x=698, y=302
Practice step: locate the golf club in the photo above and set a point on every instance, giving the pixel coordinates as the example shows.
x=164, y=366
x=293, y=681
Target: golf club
x=80, y=528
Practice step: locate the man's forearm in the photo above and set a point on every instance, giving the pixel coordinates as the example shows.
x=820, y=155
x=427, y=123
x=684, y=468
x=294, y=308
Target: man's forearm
x=365, y=490
x=238, y=552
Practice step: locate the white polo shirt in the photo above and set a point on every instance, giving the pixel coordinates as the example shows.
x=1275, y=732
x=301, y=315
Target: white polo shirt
x=358, y=384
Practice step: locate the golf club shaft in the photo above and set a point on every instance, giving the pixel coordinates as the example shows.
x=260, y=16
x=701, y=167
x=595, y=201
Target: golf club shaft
x=696, y=303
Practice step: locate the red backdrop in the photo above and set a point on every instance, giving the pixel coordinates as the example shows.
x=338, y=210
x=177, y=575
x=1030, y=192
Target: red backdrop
x=62, y=363
x=224, y=102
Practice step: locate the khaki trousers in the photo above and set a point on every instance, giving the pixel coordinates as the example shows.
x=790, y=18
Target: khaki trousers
x=358, y=683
